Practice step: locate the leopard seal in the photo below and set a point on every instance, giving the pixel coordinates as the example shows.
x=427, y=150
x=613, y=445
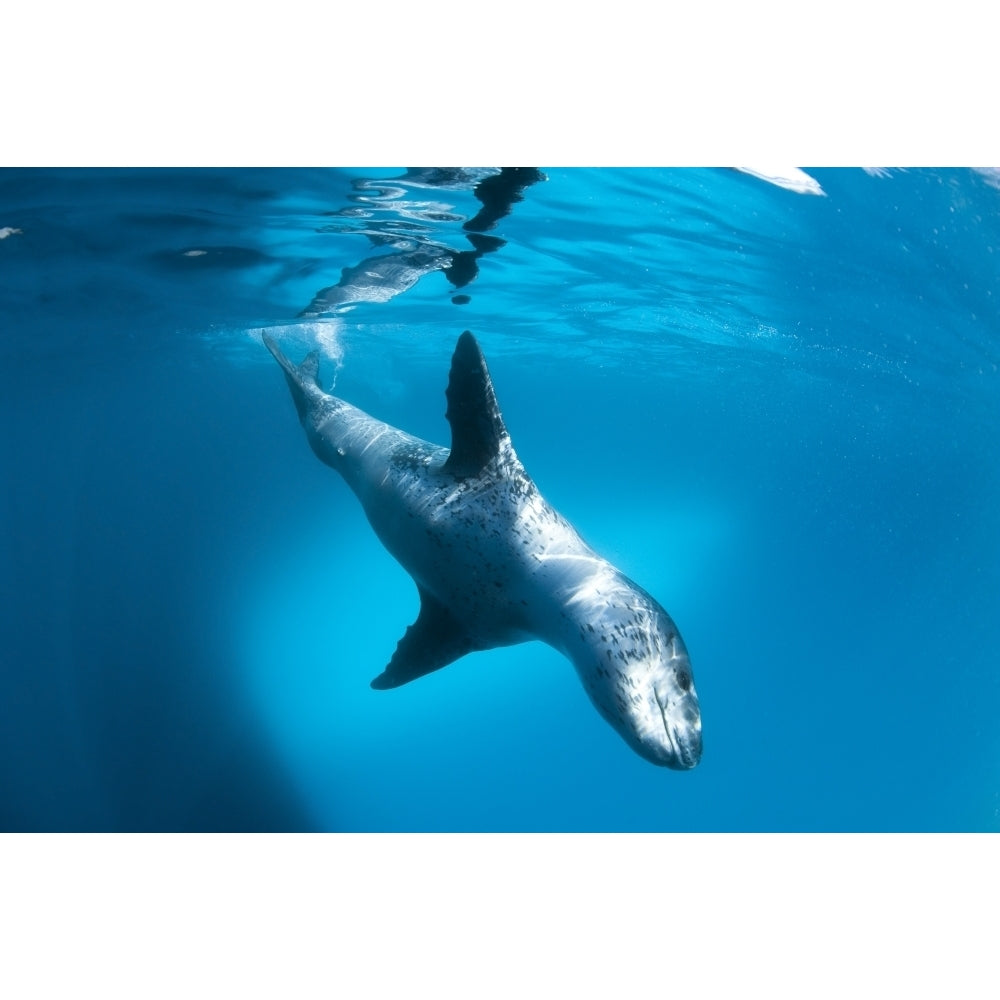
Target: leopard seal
x=495, y=564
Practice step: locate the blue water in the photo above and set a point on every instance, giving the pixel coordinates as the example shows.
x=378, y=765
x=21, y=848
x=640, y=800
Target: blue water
x=777, y=411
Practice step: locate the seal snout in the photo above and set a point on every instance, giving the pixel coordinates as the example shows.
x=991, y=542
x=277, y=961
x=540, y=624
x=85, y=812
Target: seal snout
x=679, y=742
x=685, y=742
x=688, y=746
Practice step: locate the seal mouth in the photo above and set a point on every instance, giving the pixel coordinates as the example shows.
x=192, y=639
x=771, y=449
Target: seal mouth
x=683, y=733
x=688, y=752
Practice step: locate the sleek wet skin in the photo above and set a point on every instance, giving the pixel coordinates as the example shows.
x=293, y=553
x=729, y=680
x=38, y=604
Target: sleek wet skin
x=496, y=565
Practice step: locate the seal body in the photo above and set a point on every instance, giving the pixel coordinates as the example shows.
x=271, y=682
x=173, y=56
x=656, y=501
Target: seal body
x=495, y=564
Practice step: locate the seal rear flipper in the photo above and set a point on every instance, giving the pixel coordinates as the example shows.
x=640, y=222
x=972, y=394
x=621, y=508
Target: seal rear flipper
x=433, y=641
x=302, y=380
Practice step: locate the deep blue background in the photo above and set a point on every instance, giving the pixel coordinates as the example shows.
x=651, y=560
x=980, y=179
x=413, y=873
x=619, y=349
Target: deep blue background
x=777, y=412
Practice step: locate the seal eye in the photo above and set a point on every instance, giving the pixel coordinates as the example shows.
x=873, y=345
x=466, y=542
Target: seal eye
x=683, y=680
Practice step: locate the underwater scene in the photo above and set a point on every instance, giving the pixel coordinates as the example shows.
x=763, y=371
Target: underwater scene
x=499, y=499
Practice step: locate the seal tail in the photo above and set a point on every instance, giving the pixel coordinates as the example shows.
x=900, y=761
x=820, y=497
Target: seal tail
x=302, y=380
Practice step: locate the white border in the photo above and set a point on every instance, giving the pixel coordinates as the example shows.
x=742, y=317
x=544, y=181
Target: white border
x=203, y=84
x=496, y=916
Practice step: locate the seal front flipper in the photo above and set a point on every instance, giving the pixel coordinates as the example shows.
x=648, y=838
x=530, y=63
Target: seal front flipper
x=433, y=641
x=477, y=429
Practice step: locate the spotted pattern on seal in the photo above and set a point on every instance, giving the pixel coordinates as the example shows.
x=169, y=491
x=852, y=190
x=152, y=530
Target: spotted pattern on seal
x=495, y=564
